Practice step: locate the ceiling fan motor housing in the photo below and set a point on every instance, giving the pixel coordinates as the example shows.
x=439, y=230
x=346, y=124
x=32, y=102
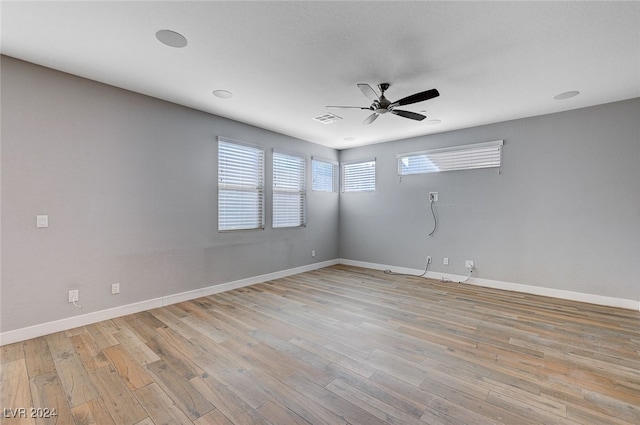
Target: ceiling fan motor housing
x=381, y=106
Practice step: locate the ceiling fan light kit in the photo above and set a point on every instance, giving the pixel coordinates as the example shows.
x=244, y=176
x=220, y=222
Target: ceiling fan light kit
x=381, y=105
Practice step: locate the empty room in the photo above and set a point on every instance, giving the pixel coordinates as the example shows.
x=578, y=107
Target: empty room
x=320, y=212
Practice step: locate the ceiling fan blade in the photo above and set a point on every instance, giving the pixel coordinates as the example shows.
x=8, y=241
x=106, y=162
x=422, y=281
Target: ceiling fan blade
x=368, y=91
x=409, y=114
x=418, y=97
x=347, y=107
x=371, y=118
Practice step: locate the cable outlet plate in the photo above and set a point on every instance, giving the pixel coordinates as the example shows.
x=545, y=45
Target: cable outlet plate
x=74, y=295
x=468, y=264
x=433, y=196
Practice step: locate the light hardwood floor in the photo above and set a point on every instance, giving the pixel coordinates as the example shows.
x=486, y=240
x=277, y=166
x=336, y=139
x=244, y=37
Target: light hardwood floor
x=340, y=345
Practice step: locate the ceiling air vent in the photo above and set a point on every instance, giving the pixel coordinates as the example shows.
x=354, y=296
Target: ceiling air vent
x=327, y=118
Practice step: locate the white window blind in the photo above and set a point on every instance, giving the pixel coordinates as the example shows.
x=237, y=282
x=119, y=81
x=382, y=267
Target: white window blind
x=289, y=190
x=240, y=186
x=467, y=157
x=359, y=176
x=324, y=175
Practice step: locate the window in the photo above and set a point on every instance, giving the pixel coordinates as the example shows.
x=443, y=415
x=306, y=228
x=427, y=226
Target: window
x=240, y=186
x=324, y=175
x=359, y=176
x=479, y=155
x=289, y=191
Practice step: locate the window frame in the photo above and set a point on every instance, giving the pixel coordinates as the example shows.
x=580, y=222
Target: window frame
x=335, y=176
x=257, y=187
x=290, y=189
x=360, y=184
x=455, y=158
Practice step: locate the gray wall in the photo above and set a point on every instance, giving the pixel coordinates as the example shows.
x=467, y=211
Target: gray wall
x=564, y=212
x=129, y=183
x=130, y=186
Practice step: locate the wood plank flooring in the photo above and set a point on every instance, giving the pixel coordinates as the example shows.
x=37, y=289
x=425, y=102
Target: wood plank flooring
x=340, y=345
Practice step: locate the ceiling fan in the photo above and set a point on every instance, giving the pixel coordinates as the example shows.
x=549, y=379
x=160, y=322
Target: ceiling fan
x=381, y=105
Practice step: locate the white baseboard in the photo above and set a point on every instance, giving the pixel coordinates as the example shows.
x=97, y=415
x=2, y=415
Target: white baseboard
x=509, y=286
x=35, y=331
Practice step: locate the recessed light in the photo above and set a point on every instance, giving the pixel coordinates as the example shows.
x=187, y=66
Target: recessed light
x=566, y=95
x=223, y=94
x=171, y=38
x=433, y=122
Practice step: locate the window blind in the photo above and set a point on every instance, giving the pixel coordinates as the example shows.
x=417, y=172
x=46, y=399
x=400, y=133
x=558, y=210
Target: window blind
x=240, y=186
x=324, y=175
x=467, y=157
x=359, y=176
x=289, y=190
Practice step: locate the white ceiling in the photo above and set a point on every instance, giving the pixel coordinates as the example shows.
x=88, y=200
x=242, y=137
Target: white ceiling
x=285, y=61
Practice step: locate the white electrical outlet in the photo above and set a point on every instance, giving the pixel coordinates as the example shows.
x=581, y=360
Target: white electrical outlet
x=468, y=264
x=115, y=288
x=42, y=221
x=313, y=252
x=433, y=196
x=428, y=259
x=446, y=261
x=74, y=295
